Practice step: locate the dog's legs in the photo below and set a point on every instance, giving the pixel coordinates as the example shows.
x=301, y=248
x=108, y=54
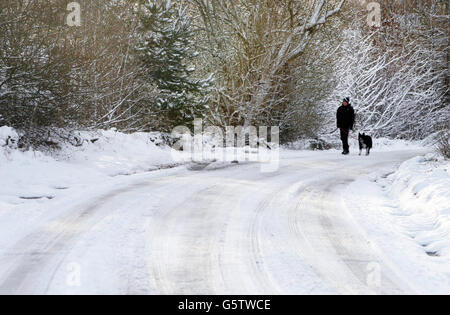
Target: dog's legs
x=368, y=151
x=360, y=152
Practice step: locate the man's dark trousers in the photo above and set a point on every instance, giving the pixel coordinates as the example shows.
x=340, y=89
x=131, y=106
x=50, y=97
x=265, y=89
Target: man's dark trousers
x=344, y=138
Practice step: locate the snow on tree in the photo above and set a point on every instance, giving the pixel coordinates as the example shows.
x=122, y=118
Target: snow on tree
x=133, y=65
x=260, y=51
x=395, y=76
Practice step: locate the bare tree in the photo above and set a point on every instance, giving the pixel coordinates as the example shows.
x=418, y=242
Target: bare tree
x=254, y=48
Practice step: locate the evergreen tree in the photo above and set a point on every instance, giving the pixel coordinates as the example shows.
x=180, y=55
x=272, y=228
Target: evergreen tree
x=166, y=50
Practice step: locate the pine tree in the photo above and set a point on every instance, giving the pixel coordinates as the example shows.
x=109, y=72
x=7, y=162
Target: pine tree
x=166, y=52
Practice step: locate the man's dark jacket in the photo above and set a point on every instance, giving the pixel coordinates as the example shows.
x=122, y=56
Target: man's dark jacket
x=346, y=117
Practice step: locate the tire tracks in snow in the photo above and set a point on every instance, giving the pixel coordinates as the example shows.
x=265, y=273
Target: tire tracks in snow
x=231, y=231
x=341, y=253
x=42, y=252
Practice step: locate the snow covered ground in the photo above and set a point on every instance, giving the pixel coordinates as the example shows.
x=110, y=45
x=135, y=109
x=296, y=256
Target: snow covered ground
x=407, y=213
x=95, y=220
x=34, y=175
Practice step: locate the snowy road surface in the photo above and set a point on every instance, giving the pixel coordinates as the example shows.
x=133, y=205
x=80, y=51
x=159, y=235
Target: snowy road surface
x=226, y=231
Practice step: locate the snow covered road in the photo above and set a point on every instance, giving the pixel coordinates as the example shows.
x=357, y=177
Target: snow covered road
x=226, y=231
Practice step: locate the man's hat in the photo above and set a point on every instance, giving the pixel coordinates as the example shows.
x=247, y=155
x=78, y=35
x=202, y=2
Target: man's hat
x=347, y=100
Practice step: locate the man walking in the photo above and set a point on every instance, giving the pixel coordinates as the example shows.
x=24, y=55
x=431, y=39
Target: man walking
x=345, y=122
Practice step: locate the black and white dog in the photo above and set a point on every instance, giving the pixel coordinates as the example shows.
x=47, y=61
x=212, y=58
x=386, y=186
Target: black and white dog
x=365, y=142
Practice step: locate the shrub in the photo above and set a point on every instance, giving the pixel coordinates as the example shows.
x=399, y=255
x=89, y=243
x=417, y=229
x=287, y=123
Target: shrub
x=443, y=144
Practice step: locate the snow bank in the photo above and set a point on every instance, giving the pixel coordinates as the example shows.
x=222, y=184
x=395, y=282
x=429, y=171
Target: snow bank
x=422, y=187
x=35, y=176
x=115, y=153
